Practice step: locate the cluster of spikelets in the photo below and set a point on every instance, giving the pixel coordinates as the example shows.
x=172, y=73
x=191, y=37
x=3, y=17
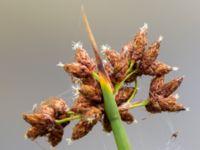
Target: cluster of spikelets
x=123, y=68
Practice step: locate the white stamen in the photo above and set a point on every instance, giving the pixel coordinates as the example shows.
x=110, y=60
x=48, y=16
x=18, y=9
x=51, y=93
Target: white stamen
x=144, y=28
x=177, y=96
x=135, y=121
x=104, y=61
x=90, y=120
x=60, y=64
x=76, y=45
x=125, y=48
x=69, y=141
x=75, y=89
x=175, y=68
x=187, y=109
x=34, y=107
x=160, y=38
x=25, y=136
x=105, y=47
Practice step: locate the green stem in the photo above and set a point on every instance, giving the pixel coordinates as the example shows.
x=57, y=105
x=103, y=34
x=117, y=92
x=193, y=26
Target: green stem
x=120, y=84
x=95, y=75
x=143, y=103
x=67, y=119
x=112, y=112
x=134, y=92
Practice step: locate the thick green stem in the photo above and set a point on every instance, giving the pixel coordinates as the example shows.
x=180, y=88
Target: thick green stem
x=112, y=112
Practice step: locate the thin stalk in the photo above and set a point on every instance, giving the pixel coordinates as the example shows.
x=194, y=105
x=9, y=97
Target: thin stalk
x=67, y=119
x=143, y=103
x=134, y=92
x=120, y=84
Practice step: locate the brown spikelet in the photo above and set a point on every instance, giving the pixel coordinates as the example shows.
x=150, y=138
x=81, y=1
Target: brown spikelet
x=77, y=70
x=55, y=136
x=83, y=58
x=123, y=95
x=126, y=116
x=33, y=132
x=82, y=128
x=91, y=93
x=38, y=120
x=157, y=69
x=170, y=104
x=106, y=124
x=81, y=104
x=159, y=103
x=150, y=55
x=119, y=64
x=136, y=47
x=156, y=84
x=168, y=88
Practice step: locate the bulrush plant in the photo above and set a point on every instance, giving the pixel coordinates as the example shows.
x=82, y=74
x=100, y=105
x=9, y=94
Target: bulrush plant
x=105, y=90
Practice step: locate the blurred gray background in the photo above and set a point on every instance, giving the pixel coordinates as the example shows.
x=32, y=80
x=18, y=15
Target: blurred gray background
x=36, y=34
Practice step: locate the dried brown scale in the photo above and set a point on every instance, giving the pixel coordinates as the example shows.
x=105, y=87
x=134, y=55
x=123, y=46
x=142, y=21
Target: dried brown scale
x=91, y=93
x=157, y=69
x=170, y=104
x=82, y=128
x=168, y=88
x=156, y=84
x=159, y=103
x=123, y=95
x=94, y=112
x=112, y=56
x=108, y=68
x=150, y=55
x=43, y=117
x=81, y=105
x=55, y=136
x=83, y=58
x=77, y=70
x=33, y=132
x=106, y=124
x=119, y=64
x=126, y=116
x=136, y=47
x=119, y=72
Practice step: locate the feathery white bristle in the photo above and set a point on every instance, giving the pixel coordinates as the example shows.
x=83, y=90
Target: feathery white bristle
x=60, y=64
x=90, y=120
x=135, y=121
x=76, y=45
x=69, y=141
x=104, y=61
x=75, y=89
x=34, y=107
x=144, y=28
x=25, y=136
x=177, y=96
x=105, y=47
x=160, y=38
x=187, y=109
x=126, y=48
x=175, y=68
